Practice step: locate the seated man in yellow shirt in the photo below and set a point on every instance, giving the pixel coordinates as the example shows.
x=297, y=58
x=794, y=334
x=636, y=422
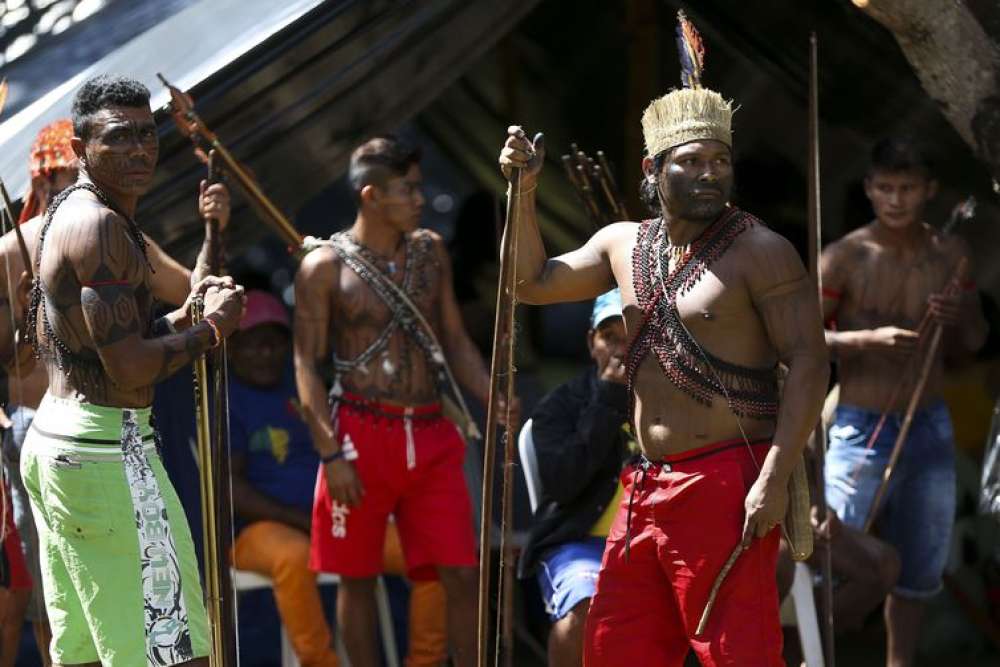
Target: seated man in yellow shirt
x=581, y=438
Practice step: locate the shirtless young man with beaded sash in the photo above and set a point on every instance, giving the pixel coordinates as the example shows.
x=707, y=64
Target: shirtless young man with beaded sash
x=118, y=566
x=386, y=448
x=714, y=300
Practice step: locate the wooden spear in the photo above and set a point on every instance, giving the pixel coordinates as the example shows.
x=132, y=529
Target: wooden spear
x=815, y=248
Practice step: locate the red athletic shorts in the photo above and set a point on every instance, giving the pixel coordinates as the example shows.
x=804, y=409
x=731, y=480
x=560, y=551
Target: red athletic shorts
x=410, y=465
x=687, y=516
x=17, y=577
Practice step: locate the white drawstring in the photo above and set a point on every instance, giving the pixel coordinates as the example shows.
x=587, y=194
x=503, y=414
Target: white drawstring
x=411, y=448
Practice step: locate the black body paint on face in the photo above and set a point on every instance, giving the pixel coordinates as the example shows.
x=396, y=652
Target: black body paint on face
x=696, y=181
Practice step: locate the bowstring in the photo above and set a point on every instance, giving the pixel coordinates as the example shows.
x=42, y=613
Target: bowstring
x=224, y=388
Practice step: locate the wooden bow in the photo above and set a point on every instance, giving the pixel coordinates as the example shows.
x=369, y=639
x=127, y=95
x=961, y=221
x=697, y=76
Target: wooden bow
x=501, y=384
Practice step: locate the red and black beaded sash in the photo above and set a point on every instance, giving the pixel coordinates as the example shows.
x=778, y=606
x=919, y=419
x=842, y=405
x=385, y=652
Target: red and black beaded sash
x=752, y=392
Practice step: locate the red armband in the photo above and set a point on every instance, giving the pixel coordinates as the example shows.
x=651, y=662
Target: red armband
x=105, y=283
x=830, y=293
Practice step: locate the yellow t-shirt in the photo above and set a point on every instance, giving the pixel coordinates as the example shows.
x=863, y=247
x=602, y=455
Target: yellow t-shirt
x=603, y=525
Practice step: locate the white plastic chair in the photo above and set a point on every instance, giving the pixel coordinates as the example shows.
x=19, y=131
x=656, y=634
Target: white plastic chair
x=247, y=581
x=800, y=605
x=529, y=463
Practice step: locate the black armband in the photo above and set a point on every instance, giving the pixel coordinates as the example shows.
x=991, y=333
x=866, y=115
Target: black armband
x=162, y=327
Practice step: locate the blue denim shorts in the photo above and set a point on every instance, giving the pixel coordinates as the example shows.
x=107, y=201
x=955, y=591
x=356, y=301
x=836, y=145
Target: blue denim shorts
x=918, y=509
x=567, y=575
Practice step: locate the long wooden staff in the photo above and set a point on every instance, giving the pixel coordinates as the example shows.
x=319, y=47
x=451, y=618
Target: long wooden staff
x=191, y=125
x=815, y=247
x=927, y=364
x=501, y=383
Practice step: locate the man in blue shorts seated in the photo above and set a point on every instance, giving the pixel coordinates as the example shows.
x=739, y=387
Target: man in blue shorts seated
x=582, y=438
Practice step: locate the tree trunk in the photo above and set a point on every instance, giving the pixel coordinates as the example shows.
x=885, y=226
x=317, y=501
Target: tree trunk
x=956, y=60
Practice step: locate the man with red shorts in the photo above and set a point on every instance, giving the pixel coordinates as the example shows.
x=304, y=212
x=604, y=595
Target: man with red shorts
x=378, y=297
x=713, y=302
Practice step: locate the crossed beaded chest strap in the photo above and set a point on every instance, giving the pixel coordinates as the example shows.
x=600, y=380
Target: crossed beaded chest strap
x=752, y=392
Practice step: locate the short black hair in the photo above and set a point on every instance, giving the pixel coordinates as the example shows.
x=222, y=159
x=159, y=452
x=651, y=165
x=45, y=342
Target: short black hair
x=101, y=92
x=900, y=154
x=378, y=160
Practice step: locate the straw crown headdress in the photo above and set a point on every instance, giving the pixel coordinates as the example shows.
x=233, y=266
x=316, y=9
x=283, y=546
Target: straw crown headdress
x=693, y=112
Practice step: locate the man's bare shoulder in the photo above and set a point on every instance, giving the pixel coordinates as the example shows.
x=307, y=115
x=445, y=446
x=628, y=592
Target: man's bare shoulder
x=614, y=235
x=768, y=262
x=319, y=263
x=424, y=234
x=90, y=235
x=623, y=228
x=764, y=244
x=432, y=239
x=850, y=246
x=9, y=246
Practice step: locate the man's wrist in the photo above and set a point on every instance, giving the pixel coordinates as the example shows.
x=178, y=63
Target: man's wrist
x=776, y=470
x=178, y=320
x=528, y=185
x=215, y=334
x=332, y=456
x=852, y=340
x=345, y=452
x=204, y=333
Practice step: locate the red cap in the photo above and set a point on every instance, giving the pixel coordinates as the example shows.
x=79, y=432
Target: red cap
x=263, y=308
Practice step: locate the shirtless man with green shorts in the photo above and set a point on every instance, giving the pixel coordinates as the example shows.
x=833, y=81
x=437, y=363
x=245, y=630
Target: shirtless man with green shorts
x=118, y=566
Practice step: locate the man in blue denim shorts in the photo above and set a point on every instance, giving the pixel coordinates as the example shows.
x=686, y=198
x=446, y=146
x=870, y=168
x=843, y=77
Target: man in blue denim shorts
x=885, y=287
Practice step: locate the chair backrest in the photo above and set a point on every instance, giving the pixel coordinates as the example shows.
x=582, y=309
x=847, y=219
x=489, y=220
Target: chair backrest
x=529, y=462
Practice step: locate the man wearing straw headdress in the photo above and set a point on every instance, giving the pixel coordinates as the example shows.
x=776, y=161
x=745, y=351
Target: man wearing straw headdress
x=713, y=302
x=885, y=287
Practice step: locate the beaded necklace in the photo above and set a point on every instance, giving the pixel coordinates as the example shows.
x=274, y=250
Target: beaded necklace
x=374, y=257
x=753, y=392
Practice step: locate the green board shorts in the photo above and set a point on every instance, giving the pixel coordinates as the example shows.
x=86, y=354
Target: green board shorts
x=118, y=567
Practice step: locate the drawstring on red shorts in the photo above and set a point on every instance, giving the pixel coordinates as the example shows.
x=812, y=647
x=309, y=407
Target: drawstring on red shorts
x=642, y=466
